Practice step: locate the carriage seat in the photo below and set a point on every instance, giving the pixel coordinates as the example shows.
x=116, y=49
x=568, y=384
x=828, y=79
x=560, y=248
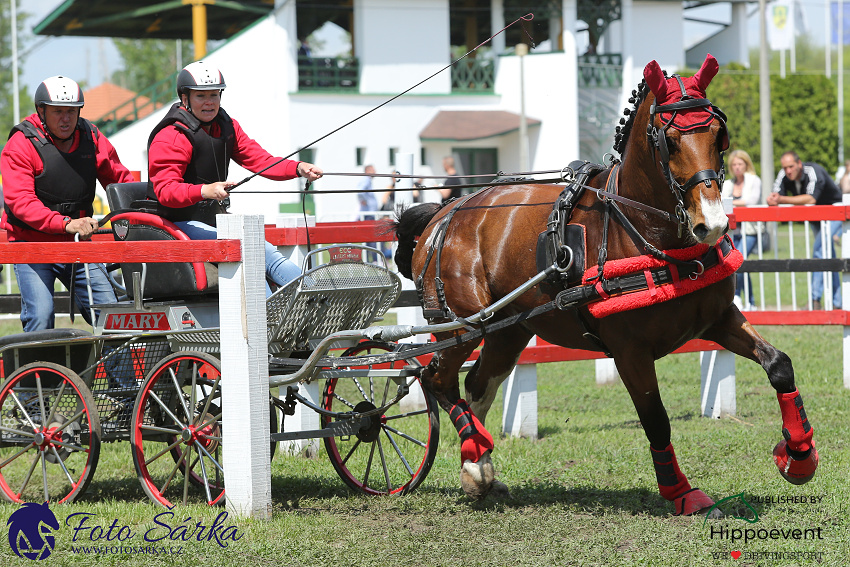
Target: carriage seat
x=162, y=280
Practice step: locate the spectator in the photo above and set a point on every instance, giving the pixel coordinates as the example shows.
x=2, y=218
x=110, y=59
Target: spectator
x=50, y=166
x=844, y=184
x=189, y=153
x=744, y=188
x=450, y=188
x=809, y=184
x=368, y=200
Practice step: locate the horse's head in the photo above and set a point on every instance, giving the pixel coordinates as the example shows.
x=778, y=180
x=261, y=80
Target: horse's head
x=685, y=139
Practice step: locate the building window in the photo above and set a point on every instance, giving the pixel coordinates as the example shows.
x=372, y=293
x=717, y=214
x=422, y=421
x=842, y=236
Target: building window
x=422, y=156
x=393, y=152
x=361, y=156
x=307, y=154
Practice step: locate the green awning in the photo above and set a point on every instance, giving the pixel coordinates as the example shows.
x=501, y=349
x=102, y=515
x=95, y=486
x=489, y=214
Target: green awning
x=149, y=19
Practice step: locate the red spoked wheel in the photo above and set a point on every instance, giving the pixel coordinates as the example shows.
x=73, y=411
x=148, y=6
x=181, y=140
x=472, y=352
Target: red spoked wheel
x=177, y=428
x=49, y=435
x=394, y=454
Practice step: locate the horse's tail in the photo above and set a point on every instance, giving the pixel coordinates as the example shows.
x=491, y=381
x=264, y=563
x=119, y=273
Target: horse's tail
x=408, y=226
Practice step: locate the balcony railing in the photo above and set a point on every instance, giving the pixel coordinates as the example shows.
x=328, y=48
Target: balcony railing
x=603, y=70
x=473, y=76
x=328, y=73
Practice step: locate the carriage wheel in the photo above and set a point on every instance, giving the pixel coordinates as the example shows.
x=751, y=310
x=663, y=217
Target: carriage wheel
x=178, y=410
x=49, y=435
x=394, y=455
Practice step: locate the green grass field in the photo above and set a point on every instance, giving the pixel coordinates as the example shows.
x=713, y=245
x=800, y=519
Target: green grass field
x=583, y=494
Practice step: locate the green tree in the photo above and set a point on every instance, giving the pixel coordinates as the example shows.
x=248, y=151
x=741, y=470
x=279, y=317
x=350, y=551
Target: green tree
x=148, y=61
x=6, y=98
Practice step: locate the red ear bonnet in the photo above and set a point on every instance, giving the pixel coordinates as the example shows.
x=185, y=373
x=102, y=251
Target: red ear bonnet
x=668, y=91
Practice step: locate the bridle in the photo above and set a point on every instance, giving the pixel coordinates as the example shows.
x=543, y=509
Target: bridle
x=658, y=142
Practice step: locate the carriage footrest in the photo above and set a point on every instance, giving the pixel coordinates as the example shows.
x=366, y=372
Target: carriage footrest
x=334, y=429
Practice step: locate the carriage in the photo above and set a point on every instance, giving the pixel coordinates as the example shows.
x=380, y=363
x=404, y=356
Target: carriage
x=632, y=261
x=150, y=374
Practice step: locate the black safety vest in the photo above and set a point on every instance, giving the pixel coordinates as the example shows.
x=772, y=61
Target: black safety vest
x=210, y=162
x=67, y=183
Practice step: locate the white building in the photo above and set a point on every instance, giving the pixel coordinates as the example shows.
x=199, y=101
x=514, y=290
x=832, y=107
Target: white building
x=576, y=81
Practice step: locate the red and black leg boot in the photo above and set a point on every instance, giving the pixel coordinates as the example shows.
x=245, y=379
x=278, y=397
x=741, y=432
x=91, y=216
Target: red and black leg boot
x=795, y=456
x=674, y=486
x=476, y=473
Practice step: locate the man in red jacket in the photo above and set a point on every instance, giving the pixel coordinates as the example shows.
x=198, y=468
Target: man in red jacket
x=50, y=166
x=189, y=153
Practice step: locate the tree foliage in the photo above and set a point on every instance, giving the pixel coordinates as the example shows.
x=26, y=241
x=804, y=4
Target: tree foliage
x=148, y=61
x=804, y=115
x=6, y=102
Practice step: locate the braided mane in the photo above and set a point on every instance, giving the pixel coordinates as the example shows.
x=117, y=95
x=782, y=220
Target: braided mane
x=621, y=135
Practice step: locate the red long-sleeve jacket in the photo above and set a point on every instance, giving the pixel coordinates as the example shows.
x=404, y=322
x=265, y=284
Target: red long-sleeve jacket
x=171, y=152
x=20, y=164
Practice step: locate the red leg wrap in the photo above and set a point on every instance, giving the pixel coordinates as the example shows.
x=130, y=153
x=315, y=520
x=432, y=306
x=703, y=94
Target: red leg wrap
x=671, y=482
x=691, y=502
x=475, y=440
x=795, y=425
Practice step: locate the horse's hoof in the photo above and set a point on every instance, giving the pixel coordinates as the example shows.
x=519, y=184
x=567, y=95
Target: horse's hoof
x=476, y=479
x=692, y=502
x=795, y=471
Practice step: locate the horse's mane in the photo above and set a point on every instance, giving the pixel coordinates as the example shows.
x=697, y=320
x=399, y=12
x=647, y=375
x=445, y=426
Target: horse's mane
x=621, y=135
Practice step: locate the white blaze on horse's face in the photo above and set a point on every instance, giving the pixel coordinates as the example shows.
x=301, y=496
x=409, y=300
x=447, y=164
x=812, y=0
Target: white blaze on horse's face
x=715, y=220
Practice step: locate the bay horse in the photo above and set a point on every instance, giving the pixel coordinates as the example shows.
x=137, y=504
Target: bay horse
x=653, y=216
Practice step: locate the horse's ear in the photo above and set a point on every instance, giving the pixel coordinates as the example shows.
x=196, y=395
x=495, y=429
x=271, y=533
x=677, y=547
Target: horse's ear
x=707, y=72
x=655, y=79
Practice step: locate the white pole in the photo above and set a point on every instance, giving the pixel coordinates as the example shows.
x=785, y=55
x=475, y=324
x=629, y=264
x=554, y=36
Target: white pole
x=840, y=47
x=16, y=103
x=764, y=103
x=522, y=51
x=828, y=34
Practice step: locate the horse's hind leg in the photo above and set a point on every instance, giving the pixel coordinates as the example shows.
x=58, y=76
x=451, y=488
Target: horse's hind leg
x=637, y=370
x=795, y=456
x=498, y=358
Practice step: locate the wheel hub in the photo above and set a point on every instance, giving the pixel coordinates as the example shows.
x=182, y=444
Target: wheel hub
x=373, y=430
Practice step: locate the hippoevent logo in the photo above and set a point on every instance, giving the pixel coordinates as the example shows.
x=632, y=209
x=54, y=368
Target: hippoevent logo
x=741, y=508
x=32, y=528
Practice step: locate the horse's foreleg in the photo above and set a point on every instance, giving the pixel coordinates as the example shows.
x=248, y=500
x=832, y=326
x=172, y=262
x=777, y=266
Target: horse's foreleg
x=795, y=456
x=637, y=371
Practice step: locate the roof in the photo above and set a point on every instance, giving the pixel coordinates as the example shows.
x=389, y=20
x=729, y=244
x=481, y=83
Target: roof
x=105, y=98
x=465, y=125
x=149, y=19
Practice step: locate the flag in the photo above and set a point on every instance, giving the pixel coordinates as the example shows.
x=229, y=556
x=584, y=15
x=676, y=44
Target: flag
x=780, y=24
x=833, y=19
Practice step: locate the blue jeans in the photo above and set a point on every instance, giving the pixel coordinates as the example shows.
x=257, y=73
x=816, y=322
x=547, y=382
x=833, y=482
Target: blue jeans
x=36, y=284
x=752, y=240
x=817, y=252
x=280, y=269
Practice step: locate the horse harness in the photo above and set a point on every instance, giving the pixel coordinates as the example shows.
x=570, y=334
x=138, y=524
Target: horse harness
x=658, y=142
x=563, y=244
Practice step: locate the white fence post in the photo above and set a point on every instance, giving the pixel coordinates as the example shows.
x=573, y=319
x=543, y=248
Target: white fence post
x=606, y=371
x=244, y=370
x=519, y=392
x=717, y=387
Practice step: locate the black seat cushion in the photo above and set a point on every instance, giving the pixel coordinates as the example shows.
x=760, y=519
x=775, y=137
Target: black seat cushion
x=162, y=281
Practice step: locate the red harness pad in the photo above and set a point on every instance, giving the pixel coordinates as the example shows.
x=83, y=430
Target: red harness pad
x=725, y=267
